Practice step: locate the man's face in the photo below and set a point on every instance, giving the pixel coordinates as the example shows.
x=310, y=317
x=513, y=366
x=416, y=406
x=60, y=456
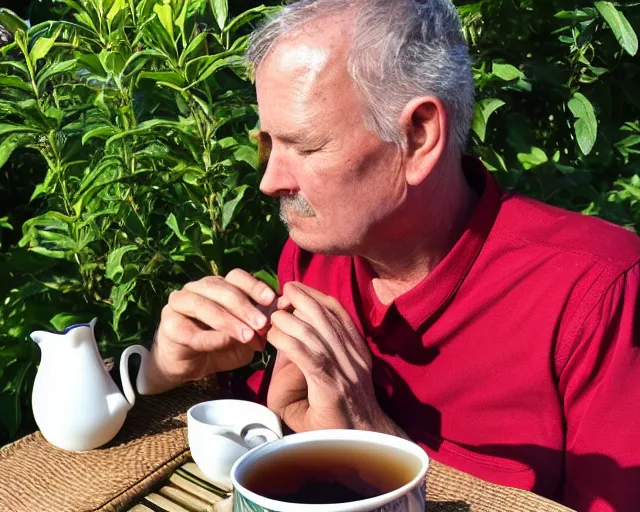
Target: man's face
x=338, y=182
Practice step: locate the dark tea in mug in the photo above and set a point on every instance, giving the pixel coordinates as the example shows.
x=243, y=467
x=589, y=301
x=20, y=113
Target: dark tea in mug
x=331, y=471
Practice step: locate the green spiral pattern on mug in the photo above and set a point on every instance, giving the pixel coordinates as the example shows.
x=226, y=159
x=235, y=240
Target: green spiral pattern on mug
x=242, y=504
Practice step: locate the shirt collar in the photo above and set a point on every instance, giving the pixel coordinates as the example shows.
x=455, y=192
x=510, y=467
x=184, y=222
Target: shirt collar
x=436, y=290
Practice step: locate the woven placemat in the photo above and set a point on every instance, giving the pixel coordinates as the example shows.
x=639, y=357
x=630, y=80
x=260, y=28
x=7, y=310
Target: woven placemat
x=450, y=490
x=38, y=477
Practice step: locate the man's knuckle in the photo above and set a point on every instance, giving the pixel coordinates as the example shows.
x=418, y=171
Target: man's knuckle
x=166, y=311
x=174, y=298
x=334, y=304
x=171, y=326
x=308, y=332
x=235, y=274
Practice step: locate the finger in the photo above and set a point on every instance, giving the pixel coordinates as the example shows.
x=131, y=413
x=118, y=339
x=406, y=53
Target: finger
x=284, y=303
x=190, y=333
x=322, y=298
x=293, y=350
x=199, y=307
x=295, y=327
x=258, y=290
x=325, y=314
x=230, y=298
x=301, y=300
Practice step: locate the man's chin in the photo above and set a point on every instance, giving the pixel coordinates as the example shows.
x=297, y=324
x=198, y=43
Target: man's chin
x=315, y=244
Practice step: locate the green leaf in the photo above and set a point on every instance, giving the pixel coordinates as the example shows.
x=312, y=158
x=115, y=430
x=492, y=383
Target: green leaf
x=482, y=113
x=172, y=222
x=247, y=154
x=145, y=127
x=42, y=46
x=113, y=62
x=117, y=6
x=268, y=277
x=14, y=81
x=63, y=320
x=91, y=61
x=102, y=132
x=235, y=60
x=15, y=128
x=507, y=72
x=143, y=54
x=577, y=15
x=165, y=15
x=8, y=146
x=220, y=10
x=59, y=67
x=57, y=255
x=620, y=26
x=586, y=125
x=120, y=298
x=4, y=223
x=19, y=66
x=163, y=76
x=114, y=268
x=248, y=16
x=193, y=46
x=534, y=159
x=11, y=21
x=229, y=208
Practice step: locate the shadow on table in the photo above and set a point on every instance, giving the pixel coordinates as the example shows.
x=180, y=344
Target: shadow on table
x=447, y=506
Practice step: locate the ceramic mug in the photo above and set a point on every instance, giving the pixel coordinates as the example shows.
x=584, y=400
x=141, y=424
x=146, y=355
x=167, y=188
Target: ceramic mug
x=390, y=451
x=221, y=431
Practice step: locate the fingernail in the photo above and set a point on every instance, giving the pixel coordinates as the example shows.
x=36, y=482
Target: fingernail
x=267, y=295
x=247, y=334
x=259, y=321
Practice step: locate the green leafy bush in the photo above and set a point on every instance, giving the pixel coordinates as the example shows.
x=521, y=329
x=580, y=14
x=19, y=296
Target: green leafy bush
x=558, y=112
x=127, y=166
x=137, y=119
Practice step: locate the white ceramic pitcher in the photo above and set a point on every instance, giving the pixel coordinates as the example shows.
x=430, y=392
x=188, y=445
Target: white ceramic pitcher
x=76, y=403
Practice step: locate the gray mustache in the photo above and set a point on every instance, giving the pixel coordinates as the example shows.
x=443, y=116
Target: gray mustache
x=295, y=204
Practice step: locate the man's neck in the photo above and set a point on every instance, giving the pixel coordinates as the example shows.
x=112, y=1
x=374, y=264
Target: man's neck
x=438, y=215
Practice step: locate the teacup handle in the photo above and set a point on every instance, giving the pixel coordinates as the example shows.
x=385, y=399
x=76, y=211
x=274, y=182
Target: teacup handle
x=255, y=434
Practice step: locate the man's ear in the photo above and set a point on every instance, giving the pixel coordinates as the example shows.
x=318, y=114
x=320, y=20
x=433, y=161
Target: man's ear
x=424, y=122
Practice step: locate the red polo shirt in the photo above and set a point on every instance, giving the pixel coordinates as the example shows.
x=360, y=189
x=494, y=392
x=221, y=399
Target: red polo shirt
x=517, y=359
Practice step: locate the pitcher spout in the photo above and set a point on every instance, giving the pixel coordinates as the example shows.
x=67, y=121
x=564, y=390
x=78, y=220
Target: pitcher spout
x=39, y=336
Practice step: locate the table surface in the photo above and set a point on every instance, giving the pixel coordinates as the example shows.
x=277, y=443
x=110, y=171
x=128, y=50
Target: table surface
x=148, y=466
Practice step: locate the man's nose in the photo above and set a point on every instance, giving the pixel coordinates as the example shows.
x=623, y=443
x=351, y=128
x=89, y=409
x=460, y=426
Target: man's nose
x=277, y=179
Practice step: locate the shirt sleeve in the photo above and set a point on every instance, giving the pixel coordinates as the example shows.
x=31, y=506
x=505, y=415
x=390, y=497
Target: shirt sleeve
x=600, y=389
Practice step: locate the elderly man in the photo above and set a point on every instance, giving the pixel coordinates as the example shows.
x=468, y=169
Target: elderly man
x=501, y=334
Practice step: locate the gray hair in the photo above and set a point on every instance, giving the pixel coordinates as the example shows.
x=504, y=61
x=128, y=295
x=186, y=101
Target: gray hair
x=402, y=49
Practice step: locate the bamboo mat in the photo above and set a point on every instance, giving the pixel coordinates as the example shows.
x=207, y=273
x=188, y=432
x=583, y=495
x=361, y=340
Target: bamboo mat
x=448, y=490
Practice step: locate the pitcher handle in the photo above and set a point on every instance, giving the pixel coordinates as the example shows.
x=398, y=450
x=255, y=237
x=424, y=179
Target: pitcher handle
x=127, y=388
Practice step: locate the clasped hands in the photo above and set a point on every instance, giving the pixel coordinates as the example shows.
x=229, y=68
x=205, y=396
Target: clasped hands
x=322, y=374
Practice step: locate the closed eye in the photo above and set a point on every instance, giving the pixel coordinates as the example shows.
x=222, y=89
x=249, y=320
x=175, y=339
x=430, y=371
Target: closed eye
x=309, y=151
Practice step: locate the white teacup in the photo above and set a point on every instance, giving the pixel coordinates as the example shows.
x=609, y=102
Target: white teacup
x=222, y=431
x=392, y=470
